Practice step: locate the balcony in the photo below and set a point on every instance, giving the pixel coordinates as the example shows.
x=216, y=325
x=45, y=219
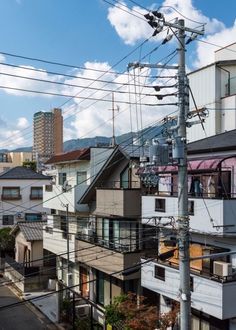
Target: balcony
x=105, y=259
x=206, y=215
x=211, y=295
x=70, y=197
x=118, y=202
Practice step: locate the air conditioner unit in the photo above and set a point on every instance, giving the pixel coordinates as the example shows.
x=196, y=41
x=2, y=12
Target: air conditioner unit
x=82, y=310
x=221, y=268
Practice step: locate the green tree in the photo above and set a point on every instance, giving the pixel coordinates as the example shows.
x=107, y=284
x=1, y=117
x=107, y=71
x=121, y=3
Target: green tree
x=30, y=164
x=7, y=241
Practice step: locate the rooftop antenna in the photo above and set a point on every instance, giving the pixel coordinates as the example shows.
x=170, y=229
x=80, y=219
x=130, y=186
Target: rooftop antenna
x=113, y=140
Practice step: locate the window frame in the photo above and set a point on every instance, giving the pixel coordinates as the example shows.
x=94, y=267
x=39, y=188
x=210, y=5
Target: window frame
x=11, y=217
x=38, y=196
x=62, y=178
x=8, y=196
x=161, y=208
x=158, y=275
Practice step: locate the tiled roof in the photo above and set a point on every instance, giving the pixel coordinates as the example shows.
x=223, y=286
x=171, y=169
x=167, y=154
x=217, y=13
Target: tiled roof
x=82, y=154
x=21, y=172
x=32, y=230
x=219, y=142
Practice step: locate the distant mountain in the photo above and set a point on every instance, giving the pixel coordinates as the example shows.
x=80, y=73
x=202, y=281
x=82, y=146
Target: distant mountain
x=127, y=138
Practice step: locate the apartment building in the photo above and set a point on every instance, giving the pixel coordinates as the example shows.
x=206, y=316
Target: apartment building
x=212, y=207
x=214, y=88
x=12, y=159
x=48, y=135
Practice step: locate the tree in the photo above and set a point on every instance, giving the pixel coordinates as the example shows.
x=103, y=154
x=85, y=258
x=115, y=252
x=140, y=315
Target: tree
x=30, y=164
x=7, y=241
x=134, y=314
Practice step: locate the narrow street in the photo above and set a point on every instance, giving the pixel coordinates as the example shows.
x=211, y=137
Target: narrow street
x=21, y=317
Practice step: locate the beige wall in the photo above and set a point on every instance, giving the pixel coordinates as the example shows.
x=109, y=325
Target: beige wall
x=35, y=247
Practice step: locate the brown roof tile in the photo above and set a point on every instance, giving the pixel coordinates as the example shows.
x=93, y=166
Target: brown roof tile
x=82, y=154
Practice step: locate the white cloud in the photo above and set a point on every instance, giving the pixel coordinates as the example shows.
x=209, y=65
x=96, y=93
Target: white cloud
x=22, y=123
x=131, y=27
x=93, y=117
x=206, y=52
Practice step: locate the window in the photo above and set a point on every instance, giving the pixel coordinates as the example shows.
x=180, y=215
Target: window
x=8, y=220
x=48, y=187
x=160, y=273
x=125, y=178
x=33, y=216
x=36, y=193
x=11, y=193
x=82, y=177
x=191, y=283
x=160, y=205
x=62, y=178
x=191, y=207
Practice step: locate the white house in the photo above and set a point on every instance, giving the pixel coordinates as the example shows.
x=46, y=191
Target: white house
x=21, y=195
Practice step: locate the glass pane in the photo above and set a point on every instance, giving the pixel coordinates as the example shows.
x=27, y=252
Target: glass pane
x=106, y=231
x=124, y=179
x=82, y=177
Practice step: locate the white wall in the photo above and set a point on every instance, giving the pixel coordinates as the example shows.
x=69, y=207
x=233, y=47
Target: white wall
x=25, y=204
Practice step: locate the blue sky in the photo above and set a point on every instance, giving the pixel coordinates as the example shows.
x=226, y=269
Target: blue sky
x=93, y=34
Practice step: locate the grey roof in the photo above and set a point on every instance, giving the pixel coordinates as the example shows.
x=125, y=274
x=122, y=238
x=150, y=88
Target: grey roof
x=220, y=142
x=21, y=172
x=32, y=230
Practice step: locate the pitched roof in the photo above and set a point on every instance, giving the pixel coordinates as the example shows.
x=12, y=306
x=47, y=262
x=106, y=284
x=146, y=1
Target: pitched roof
x=32, y=230
x=82, y=154
x=21, y=172
x=220, y=142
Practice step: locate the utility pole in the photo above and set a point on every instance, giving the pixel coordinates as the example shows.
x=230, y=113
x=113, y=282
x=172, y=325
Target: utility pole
x=179, y=149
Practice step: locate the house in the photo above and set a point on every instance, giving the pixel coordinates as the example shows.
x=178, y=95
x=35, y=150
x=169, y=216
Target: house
x=214, y=88
x=73, y=173
x=21, y=195
x=112, y=240
x=212, y=209
x=29, y=270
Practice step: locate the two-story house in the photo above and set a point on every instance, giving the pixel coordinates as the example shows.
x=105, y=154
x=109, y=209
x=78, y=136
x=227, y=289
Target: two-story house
x=212, y=209
x=21, y=195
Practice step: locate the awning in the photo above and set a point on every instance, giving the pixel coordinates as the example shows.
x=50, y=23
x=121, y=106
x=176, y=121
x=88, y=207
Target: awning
x=206, y=164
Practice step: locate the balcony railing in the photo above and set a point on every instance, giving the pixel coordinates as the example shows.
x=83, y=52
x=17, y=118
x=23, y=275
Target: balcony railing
x=20, y=268
x=111, y=245
x=119, y=184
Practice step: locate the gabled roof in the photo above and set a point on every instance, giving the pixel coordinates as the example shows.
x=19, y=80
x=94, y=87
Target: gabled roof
x=82, y=154
x=22, y=173
x=220, y=142
x=119, y=154
x=32, y=230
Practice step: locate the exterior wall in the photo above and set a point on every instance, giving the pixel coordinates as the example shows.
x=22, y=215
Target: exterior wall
x=224, y=54
x=228, y=116
x=118, y=202
x=202, y=83
x=35, y=247
x=222, y=212
x=25, y=204
x=106, y=260
x=51, y=200
x=57, y=132
x=15, y=159
x=208, y=296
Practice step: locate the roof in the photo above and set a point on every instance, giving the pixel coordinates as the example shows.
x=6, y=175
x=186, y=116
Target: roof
x=82, y=154
x=22, y=173
x=32, y=230
x=220, y=142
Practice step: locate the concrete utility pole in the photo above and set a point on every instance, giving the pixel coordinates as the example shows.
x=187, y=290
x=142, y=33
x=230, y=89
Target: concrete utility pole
x=183, y=218
x=113, y=140
x=157, y=21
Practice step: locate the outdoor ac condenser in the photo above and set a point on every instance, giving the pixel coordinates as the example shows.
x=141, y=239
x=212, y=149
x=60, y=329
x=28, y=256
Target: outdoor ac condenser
x=221, y=268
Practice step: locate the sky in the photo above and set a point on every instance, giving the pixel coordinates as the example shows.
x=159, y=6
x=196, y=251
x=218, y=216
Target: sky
x=95, y=40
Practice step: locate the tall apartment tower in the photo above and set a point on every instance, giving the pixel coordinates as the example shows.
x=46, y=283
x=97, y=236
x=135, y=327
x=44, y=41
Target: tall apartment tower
x=48, y=134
